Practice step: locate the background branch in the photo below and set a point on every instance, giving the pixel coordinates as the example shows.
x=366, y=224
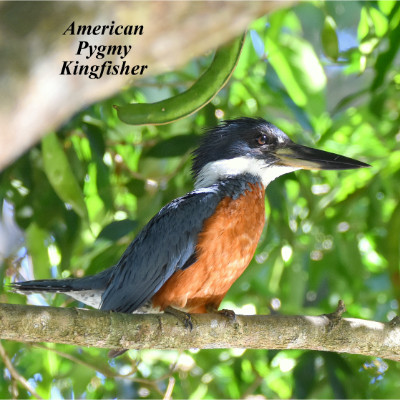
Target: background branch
x=93, y=328
x=36, y=99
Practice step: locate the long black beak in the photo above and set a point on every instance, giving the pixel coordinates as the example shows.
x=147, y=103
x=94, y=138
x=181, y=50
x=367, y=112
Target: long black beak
x=297, y=156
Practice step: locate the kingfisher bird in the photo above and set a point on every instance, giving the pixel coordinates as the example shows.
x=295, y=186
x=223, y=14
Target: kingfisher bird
x=190, y=253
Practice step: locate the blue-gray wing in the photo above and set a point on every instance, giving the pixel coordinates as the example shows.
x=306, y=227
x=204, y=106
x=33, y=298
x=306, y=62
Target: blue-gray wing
x=166, y=244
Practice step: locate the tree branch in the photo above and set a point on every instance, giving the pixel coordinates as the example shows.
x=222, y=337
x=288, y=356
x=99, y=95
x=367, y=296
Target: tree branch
x=93, y=328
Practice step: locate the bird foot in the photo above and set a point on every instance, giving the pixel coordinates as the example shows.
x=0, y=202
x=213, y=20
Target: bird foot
x=230, y=314
x=182, y=316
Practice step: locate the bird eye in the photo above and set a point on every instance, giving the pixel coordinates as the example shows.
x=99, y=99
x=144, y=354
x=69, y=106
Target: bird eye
x=262, y=139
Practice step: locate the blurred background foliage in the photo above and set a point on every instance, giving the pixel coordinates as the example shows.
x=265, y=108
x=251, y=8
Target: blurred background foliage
x=327, y=73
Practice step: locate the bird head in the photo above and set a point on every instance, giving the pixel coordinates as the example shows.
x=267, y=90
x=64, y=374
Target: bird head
x=257, y=147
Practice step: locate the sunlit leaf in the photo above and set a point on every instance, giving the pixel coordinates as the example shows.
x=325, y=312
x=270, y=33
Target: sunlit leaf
x=60, y=175
x=329, y=38
x=37, y=241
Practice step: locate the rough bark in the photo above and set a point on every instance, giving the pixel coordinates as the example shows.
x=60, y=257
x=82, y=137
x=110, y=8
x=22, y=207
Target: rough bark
x=36, y=99
x=92, y=328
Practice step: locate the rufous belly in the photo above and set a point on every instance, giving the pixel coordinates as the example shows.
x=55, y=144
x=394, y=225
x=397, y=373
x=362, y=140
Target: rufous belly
x=225, y=248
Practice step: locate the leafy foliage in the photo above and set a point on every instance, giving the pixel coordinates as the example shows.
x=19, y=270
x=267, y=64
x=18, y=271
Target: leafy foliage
x=325, y=73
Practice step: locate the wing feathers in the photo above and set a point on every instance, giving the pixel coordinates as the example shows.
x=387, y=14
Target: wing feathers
x=166, y=244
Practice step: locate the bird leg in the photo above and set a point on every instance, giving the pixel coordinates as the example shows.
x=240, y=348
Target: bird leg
x=182, y=316
x=230, y=314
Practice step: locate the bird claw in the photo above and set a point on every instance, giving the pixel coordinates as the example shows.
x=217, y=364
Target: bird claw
x=228, y=313
x=182, y=316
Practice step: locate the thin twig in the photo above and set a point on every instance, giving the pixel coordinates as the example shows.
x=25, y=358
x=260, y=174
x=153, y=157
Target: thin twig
x=106, y=372
x=16, y=375
x=153, y=383
x=170, y=388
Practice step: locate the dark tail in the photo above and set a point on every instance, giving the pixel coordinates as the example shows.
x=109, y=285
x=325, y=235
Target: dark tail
x=94, y=282
x=91, y=283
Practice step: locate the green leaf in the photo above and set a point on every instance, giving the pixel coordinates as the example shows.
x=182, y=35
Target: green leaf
x=37, y=243
x=391, y=248
x=380, y=22
x=47, y=206
x=386, y=58
x=193, y=99
x=363, y=25
x=386, y=6
x=98, y=147
x=300, y=71
x=333, y=364
x=137, y=187
x=95, y=135
x=117, y=229
x=304, y=375
x=173, y=147
x=60, y=175
x=329, y=38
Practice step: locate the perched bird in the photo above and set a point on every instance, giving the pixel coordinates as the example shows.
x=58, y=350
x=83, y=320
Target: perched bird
x=189, y=254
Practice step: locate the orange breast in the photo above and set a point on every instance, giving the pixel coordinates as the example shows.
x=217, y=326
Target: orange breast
x=225, y=248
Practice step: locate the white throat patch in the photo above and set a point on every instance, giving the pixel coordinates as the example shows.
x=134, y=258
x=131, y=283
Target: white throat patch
x=216, y=170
